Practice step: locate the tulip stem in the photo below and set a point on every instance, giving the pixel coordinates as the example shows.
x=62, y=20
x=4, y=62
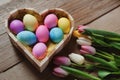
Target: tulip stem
x=79, y=73
x=102, y=62
x=103, y=33
x=104, y=56
x=77, y=65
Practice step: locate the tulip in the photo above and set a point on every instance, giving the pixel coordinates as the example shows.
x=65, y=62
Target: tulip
x=62, y=60
x=87, y=50
x=84, y=41
x=81, y=28
x=60, y=72
x=77, y=34
x=77, y=58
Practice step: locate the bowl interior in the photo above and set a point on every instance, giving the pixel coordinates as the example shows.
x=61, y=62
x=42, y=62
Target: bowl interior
x=52, y=47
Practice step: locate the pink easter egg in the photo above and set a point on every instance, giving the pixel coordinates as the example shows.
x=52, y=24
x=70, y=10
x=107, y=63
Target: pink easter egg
x=51, y=21
x=42, y=33
x=39, y=51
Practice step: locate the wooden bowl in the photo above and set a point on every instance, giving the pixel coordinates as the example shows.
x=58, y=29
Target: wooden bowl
x=52, y=47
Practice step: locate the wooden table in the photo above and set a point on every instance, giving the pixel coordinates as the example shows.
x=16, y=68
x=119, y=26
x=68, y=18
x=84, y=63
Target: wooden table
x=99, y=14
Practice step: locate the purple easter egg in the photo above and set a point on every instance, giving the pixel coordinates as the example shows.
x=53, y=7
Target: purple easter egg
x=16, y=26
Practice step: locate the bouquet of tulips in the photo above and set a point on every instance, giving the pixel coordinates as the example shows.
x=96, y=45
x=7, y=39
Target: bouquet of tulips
x=91, y=58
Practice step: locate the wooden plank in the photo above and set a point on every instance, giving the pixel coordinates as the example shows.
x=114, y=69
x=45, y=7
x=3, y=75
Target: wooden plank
x=8, y=54
x=38, y=5
x=25, y=71
x=4, y=1
x=109, y=22
x=84, y=14
x=83, y=11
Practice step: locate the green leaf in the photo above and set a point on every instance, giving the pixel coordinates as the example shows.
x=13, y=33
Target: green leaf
x=105, y=56
x=117, y=59
x=103, y=74
x=100, y=42
x=102, y=62
x=104, y=33
x=79, y=73
x=115, y=45
x=106, y=53
x=113, y=39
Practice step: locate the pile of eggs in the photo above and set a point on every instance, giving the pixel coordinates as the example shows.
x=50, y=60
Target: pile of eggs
x=29, y=32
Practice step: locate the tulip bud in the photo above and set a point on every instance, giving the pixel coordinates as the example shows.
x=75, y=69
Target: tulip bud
x=60, y=72
x=62, y=60
x=77, y=58
x=83, y=41
x=81, y=28
x=87, y=50
x=77, y=34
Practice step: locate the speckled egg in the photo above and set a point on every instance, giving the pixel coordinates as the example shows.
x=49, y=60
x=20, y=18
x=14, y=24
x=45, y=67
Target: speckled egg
x=27, y=37
x=42, y=33
x=56, y=35
x=39, y=51
x=16, y=26
x=51, y=21
x=30, y=22
x=64, y=24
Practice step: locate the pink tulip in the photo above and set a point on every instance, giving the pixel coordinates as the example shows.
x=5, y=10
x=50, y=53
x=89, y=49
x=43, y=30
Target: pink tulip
x=62, y=60
x=87, y=50
x=60, y=72
x=81, y=28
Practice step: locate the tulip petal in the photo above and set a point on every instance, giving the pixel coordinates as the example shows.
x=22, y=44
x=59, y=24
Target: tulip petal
x=60, y=72
x=83, y=52
x=81, y=28
x=77, y=34
x=83, y=41
x=62, y=60
x=88, y=49
x=77, y=58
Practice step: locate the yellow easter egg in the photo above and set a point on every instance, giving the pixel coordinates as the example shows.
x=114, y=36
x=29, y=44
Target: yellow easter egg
x=64, y=24
x=30, y=22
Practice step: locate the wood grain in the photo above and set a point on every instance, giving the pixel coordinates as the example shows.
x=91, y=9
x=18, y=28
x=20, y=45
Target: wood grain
x=8, y=54
x=38, y=5
x=83, y=11
x=108, y=22
x=26, y=71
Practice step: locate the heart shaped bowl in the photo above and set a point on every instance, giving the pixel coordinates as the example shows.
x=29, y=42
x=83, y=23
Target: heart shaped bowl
x=52, y=48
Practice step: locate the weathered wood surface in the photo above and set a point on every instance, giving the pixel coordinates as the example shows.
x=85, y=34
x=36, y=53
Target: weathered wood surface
x=25, y=71
x=83, y=11
x=110, y=22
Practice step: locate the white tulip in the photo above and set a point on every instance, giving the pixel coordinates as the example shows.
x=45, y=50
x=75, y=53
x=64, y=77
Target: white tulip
x=77, y=58
x=83, y=41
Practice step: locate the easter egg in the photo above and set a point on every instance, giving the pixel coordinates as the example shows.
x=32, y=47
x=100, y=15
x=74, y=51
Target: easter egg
x=16, y=26
x=51, y=21
x=39, y=50
x=27, y=37
x=42, y=33
x=64, y=24
x=56, y=35
x=30, y=22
